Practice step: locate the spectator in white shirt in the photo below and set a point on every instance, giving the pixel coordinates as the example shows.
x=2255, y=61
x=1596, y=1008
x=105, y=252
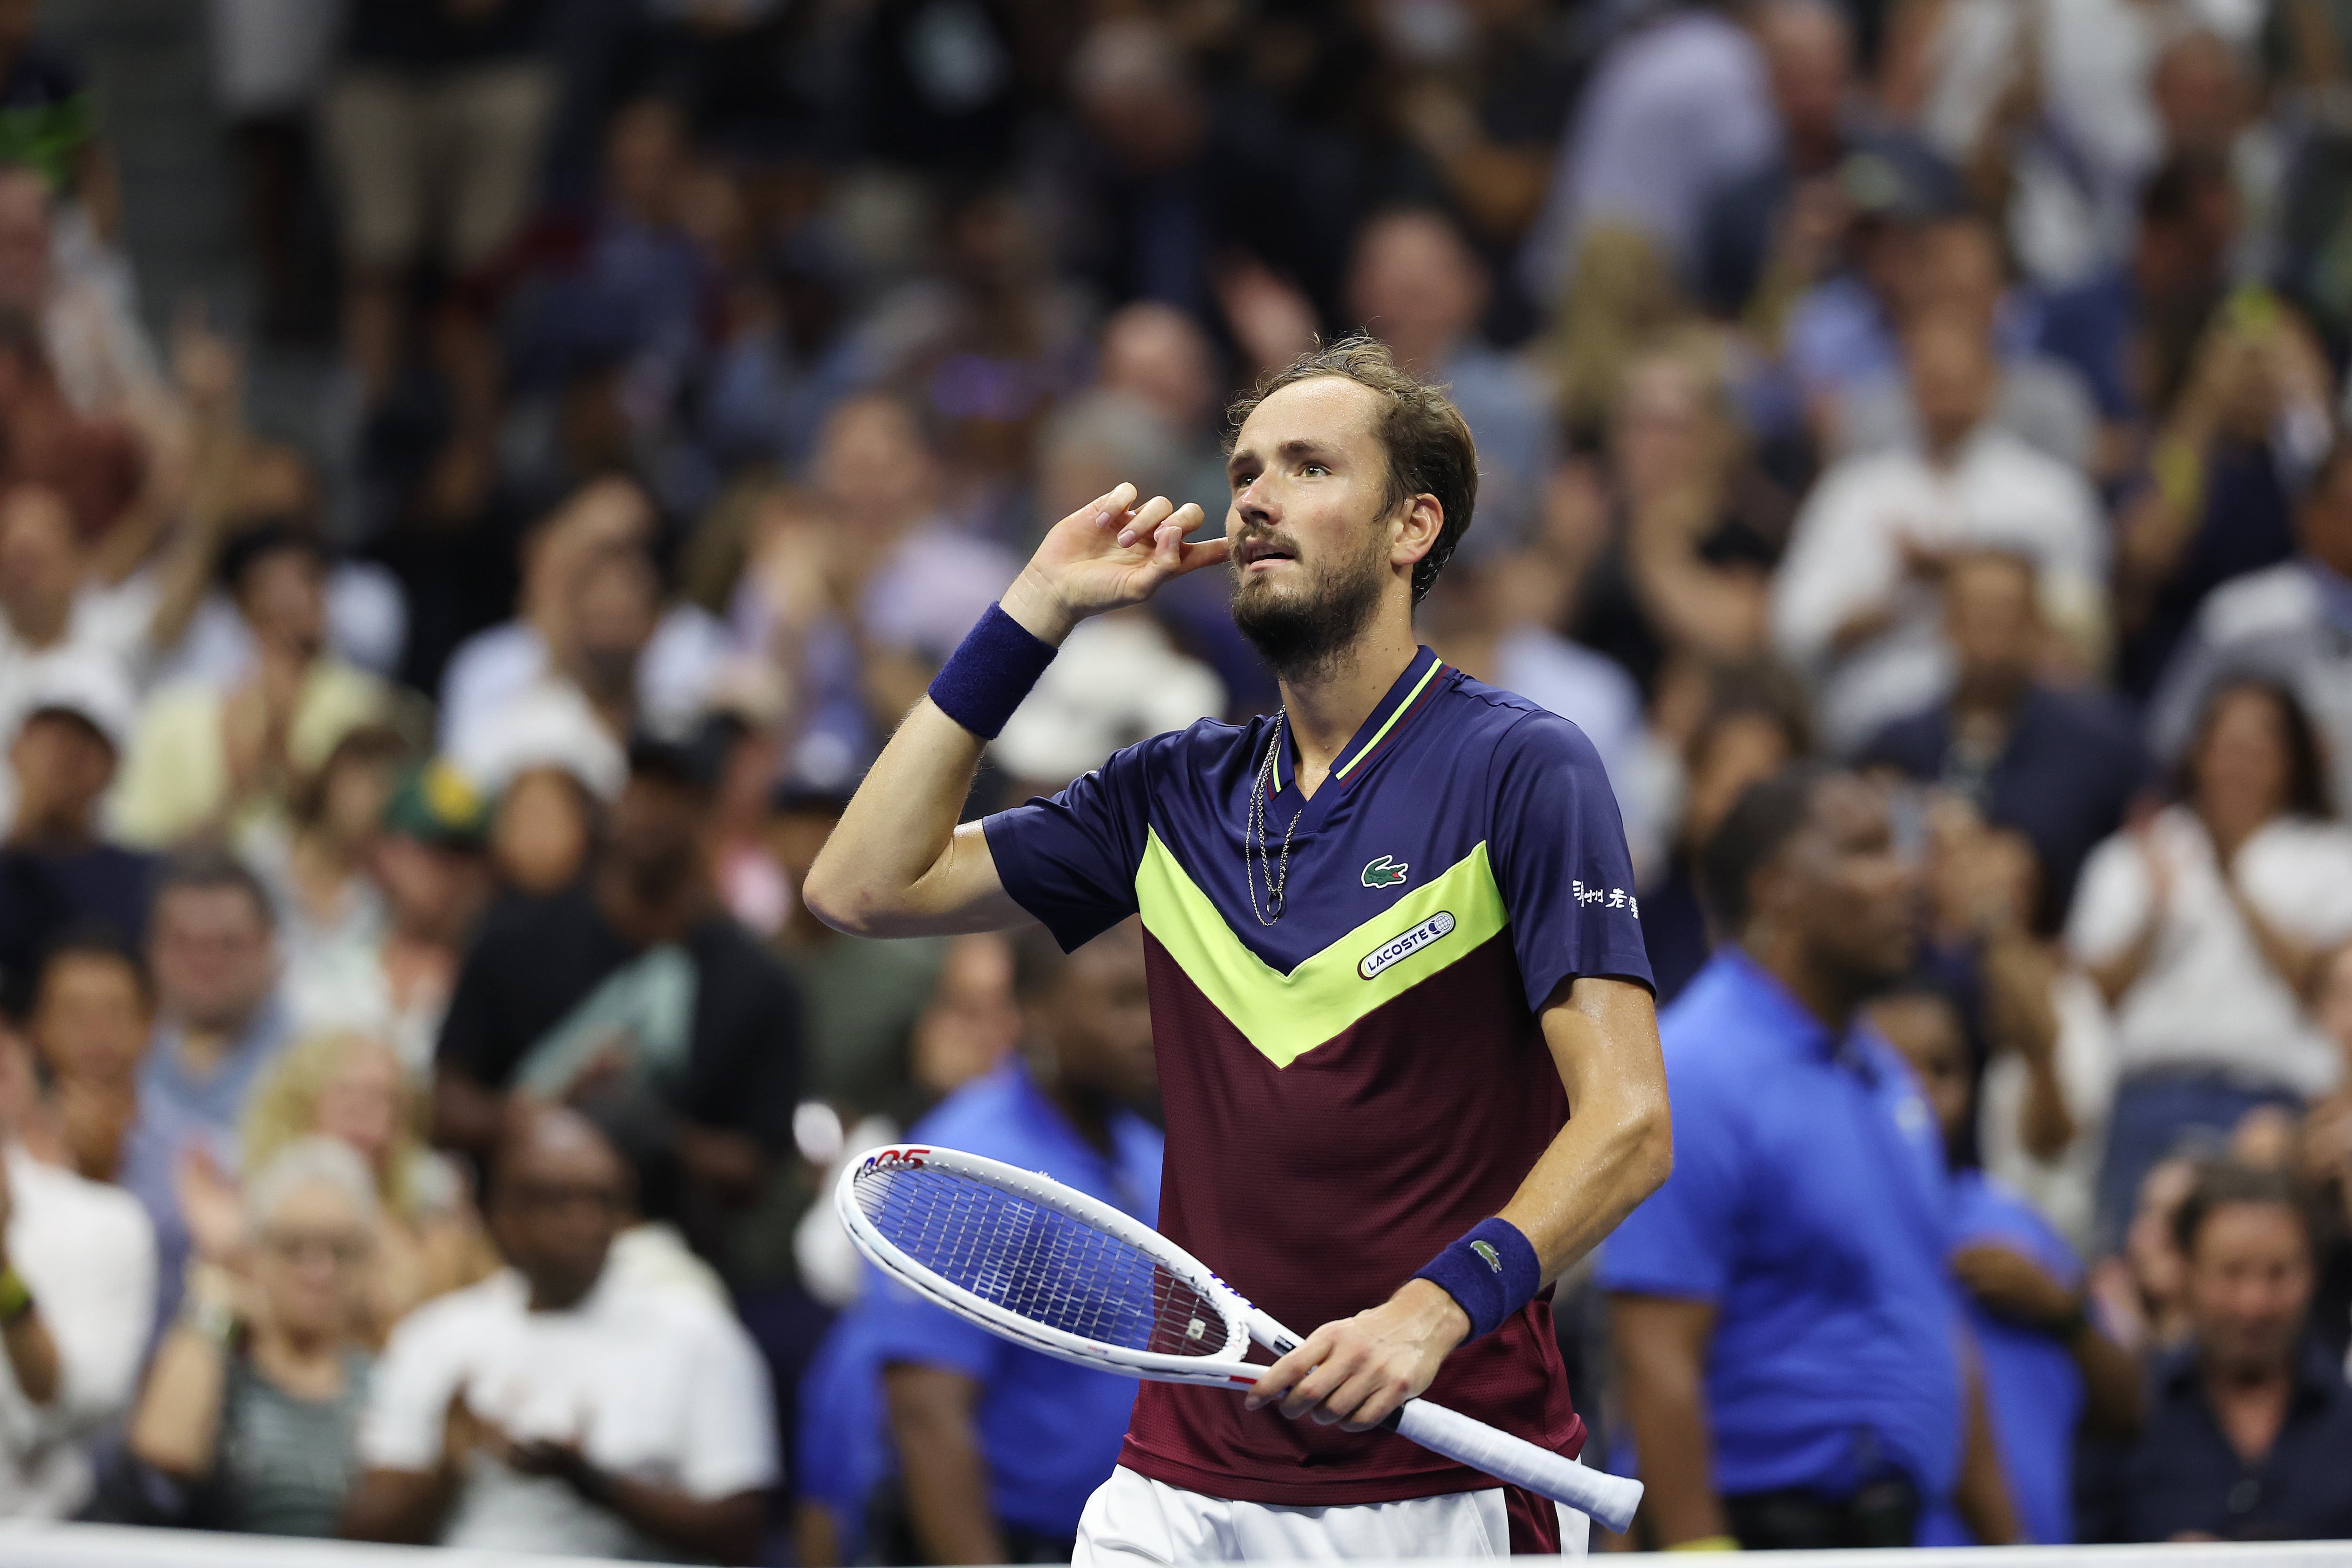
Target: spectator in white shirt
x=496, y=672
x=1854, y=605
x=2205, y=927
x=560, y=1407
x=77, y=1289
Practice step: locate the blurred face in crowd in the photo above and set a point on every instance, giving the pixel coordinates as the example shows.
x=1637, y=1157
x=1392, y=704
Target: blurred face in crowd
x=1133, y=89
x=362, y=1101
x=352, y=795
x=559, y=1196
x=1416, y=284
x=2200, y=92
x=873, y=463
x=1092, y=1018
x=1159, y=354
x=645, y=159
x=24, y=264
x=62, y=767
x=2241, y=767
x=1952, y=378
x=1927, y=1029
x=1954, y=266
x=1994, y=626
x=972, y=1020
x=1315, y=547
x=311, y=1260
x=614, y=615
x=610, y=514
x=91, y=1017
x=1738, y=749
x=1844, y=888
x=2248, y=1289
x=2325, y=518
x=539, y=836
x=18, y=18
x=40, y=561
x=1665, y=432
x=656, y=839
x=214, y=956
x=1810, y=55
x=432, y=890
x=283, y=595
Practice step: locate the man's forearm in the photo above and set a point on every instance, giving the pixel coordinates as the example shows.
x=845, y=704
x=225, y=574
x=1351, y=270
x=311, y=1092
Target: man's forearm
x=899, y=830
x=1617, y=1144
x=1981, y=1495
x=946, y=1476
x=718, y=1529
x=1659, y=1349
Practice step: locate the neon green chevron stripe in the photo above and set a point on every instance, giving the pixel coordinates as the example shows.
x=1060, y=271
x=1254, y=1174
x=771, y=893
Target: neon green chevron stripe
x=1286, y=1015
x=1401, y=709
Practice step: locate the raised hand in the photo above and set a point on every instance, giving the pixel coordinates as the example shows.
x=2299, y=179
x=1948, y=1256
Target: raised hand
x=1109, y=553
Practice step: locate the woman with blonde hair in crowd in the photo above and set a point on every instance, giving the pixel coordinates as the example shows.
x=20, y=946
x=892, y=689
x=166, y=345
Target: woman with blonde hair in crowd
x=248, y=1416
x=352, y=1088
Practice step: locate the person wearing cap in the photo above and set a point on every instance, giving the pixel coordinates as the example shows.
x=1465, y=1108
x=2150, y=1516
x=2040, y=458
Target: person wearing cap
x=57, y=871
x=632, y=997
x=207, y=754
x=428, y=865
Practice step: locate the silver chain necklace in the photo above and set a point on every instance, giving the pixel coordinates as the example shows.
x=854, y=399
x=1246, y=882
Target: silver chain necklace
x=1255, y=856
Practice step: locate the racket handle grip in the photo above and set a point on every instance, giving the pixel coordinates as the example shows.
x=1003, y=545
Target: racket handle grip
x=1608, y=1498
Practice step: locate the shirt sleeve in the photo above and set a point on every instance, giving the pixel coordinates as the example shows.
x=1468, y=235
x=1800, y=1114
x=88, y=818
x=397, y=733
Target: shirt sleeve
x=2110, y=901
x=730, y=1427
x=1683, y=1241
x=408, y=1397
x=1071, y=861
x=903, y=1327
x=1560, y=859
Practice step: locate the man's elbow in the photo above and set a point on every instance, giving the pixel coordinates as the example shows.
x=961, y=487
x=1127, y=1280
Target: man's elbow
x=838, y=900
x=1650, y=1127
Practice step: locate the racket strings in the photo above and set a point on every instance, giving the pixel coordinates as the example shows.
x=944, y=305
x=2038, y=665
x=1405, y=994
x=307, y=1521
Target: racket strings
x=1040, y=1263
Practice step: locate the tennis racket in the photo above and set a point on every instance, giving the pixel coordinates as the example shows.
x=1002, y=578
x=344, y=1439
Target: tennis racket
x=1053, y=1270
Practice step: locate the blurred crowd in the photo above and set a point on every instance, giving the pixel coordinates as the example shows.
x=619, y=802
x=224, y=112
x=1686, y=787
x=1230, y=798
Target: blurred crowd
x=418, y=1070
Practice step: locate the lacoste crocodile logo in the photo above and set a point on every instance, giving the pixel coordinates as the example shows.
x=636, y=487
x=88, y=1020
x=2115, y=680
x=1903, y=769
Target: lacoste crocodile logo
x=1386, y=872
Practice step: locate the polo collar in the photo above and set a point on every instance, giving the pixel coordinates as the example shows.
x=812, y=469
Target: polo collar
x=2316, y=1376
x=1777, y=1018
x=1387, y=720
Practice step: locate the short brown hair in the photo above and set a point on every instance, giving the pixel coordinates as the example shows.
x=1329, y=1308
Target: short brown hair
x=1428, y=442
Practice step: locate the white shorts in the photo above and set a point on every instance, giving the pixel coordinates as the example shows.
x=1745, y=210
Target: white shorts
x=1132, y=1519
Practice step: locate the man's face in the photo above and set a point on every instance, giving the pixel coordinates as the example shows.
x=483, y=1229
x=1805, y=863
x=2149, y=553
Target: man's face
x=1095, y=1017
x=614, y=615
x=40, y=557
x=1926, y=1031
x=24, y=230
x=90, y=1020
x=656, y=833
x=1415, y=283
x=561, y=1195
x=2249, y=1287
x=214, y=958
x=1990, y=616
x=1846, y=887
x=284, y=597
x=1952, y=377
x=1316, y=547
x=872, y=463
x=2325, y=519
x=62, y=767
x=432, y=889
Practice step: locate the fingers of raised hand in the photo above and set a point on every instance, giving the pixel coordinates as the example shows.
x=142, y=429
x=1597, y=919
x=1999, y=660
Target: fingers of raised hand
x=1146, y=521
x=1106, y=511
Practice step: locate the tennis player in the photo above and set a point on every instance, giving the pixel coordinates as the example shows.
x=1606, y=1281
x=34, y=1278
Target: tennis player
x=1392, y=943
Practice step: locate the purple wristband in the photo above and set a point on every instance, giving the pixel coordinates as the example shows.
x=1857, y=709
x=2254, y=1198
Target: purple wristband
x=986, y=677
x=1491, y=1273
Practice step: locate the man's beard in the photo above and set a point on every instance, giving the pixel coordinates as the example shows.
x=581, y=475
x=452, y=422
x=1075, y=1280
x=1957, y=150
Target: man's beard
x=1302, y=631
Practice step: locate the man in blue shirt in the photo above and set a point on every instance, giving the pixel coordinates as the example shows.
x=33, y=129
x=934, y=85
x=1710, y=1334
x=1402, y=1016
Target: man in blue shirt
x=1789, y=1331
x=1000, y=1447
x=2047, y=1370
